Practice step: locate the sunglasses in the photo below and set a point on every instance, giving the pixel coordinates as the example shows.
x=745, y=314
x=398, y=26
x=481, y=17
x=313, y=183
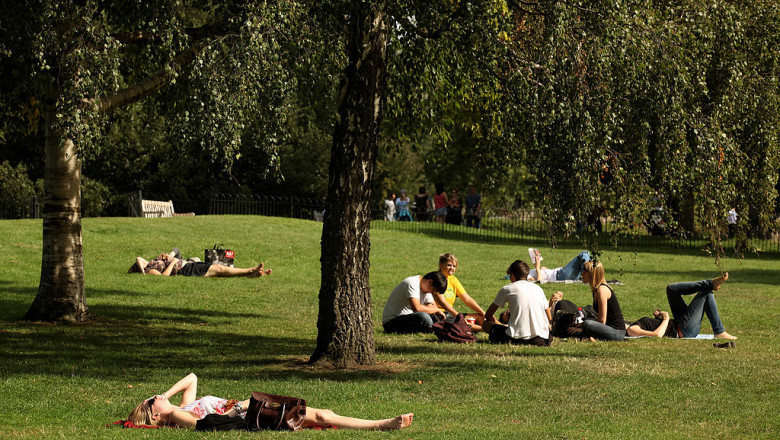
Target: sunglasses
x=150, y=402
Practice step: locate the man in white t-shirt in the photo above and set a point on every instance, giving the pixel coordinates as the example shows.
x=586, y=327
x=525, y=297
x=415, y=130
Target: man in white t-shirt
x=411, y=305
x=528, y=322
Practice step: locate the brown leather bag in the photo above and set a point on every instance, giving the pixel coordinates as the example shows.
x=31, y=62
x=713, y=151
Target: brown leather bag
x=456, y=331
x=274, y=412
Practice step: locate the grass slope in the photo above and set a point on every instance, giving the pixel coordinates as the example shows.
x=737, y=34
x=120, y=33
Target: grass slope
x=67, y=381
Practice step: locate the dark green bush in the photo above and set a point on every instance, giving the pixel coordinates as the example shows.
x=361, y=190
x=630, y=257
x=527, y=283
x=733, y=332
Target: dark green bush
x=16, y=191
x=95, y=197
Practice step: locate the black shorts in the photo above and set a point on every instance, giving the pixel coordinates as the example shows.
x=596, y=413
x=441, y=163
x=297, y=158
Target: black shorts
x=196, y=269
x=498, y=335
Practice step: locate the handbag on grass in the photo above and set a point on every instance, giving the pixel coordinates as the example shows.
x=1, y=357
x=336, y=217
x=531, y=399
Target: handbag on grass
x=219, y=255
x=278, y=413
x=456, y=331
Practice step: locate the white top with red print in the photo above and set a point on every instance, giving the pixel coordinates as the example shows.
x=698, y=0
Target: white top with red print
x=206, y=405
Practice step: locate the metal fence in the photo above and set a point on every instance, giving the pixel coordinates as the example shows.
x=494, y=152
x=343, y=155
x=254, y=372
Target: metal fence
x=526, y=227
x=520, y=226
x=232, y=204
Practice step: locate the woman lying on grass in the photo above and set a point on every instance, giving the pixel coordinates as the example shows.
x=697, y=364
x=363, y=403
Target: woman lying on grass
x=170, y=265
x=687, y=317
x=158, y=410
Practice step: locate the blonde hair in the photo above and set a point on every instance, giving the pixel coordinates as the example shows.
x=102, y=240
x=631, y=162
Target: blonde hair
x=142, y=415
x=596, y=272
x=446, y=258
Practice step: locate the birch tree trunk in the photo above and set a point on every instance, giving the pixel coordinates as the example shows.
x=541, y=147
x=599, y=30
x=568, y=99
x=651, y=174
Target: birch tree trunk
x=345, y=327
x=61, y=290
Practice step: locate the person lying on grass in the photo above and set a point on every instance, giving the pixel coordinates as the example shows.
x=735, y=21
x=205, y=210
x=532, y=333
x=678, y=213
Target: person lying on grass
x=170, y=265
x=448, y=264
x=687, y=317
x=158, y=411
x=572, y=270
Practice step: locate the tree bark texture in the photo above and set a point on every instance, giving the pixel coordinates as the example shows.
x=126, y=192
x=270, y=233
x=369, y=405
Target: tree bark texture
x=345, y=327
x=61, y=290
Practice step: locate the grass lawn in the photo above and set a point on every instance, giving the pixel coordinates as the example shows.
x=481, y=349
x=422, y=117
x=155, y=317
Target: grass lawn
x=238, y=335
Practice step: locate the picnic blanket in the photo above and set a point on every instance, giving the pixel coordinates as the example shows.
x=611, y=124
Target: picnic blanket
x=699, y=336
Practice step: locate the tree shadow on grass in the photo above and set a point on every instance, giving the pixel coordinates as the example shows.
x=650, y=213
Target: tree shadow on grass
x=17, y=300
x=479, y=350
x=123, y=350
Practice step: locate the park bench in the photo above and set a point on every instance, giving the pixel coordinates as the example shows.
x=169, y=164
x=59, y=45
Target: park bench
x=158, y=208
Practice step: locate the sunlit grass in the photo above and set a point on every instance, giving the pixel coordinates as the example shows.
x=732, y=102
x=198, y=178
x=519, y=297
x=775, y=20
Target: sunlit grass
x=67, y=381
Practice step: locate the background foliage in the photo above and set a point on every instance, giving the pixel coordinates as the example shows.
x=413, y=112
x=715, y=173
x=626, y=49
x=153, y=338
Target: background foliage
x=609, y=106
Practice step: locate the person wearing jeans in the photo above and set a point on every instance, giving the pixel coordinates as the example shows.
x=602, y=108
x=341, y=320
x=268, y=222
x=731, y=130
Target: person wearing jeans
x=597, y=330
x=411, y=307
x=689, y=316
x=609, y=324
x=571, y=271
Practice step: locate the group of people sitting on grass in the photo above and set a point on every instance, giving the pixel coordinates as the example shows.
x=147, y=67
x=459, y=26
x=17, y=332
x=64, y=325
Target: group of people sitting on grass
x=419, y=301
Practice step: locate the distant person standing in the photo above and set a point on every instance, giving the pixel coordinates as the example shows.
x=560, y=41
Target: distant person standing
x=422, y=205
x=389, y=207
x=402, y=207
x=454, y=209
x=732, y=219
x=440, y=203
x=473, y=208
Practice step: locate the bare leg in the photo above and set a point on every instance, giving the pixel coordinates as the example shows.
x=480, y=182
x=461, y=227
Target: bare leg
x=218, y=270
x=716, y=282
x=315, y=416
x=259, y=271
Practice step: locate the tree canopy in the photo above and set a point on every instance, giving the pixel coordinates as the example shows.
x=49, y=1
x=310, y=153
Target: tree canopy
x=609, y=106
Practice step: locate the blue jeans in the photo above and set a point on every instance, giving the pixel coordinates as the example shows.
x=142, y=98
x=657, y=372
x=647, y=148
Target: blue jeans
x=597, y=330
x=573, y=269
x=418, y=322
x=689, y=316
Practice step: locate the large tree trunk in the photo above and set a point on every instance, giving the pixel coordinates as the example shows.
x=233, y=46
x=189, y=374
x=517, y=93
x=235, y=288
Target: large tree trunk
x=345, y=326
x=61, y=290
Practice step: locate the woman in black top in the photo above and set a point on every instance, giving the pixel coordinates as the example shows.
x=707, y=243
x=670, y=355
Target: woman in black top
x=658, y=326
x=609, y=325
